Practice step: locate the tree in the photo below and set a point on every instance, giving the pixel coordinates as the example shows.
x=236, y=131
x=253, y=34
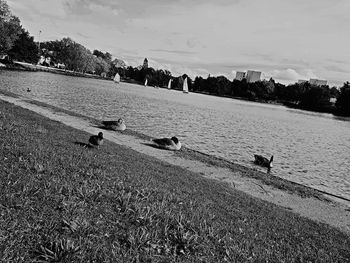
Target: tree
x=197, y=85
x=240, y=88
x=343, y=101
x=101, y=66
x=98, y=53
x=24, y=48
x=211, y=85
x=178, y=83
x=334, y=92
x=74, y=55
x=10, y=28
x=316, y=98
x=224, y=86
x=262, y=90
x=118, y=63
x=105, y=56
x=108, y=57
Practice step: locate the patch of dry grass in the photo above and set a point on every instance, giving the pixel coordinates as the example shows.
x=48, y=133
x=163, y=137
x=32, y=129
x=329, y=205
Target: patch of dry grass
x=61, y=202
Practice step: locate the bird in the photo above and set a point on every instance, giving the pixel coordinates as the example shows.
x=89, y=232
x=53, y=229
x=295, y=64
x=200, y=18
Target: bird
x=168, y=143
x=96, y=140
x=263, y=161
x=28, y=90
x=118, y=125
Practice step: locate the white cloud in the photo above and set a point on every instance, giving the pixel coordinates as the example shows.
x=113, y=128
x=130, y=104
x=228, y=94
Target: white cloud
x=290, y=40
x=36, y=9
x=177, y=69
x=290, y=75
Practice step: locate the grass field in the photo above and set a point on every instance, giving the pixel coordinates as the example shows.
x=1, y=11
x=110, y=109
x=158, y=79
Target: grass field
x=62, y=202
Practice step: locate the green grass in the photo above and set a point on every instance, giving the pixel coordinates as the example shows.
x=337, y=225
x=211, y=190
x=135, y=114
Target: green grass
x=61, y=202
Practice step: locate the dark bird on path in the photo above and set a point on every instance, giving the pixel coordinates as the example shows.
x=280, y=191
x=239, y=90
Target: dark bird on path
x=118, y=125
x=168, y=143
x=262, y=161
x=96, y=140
x=28, y=90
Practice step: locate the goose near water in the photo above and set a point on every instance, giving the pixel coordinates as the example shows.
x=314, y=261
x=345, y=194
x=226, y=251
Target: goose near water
x=96, y=140
x=168, y=143
x=118, y=125
x=262, y=161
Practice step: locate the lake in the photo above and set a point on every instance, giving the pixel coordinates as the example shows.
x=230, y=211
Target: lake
x=309, y=148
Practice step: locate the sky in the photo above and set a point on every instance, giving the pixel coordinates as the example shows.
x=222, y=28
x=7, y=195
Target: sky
x=287, y=40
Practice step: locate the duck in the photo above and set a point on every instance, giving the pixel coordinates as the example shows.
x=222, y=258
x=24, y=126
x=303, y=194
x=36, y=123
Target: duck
x=96, y=140
x=263, y=161
x=118, y=125
x=172, y=143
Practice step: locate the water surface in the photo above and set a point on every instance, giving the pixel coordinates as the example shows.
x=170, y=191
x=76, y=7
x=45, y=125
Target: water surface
x=309, y=148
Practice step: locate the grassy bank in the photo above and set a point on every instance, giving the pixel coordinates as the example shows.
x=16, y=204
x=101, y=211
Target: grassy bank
x=186, y=153
x=63, y=202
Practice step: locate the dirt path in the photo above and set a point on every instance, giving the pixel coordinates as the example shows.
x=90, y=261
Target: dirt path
x=334, y=213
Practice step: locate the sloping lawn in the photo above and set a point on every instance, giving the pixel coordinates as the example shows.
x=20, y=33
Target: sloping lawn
x=63, y=202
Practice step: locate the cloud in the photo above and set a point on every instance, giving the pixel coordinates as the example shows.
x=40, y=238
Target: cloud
x=35, y=10
x=288, y=39
x=83, y=35
x=182, y=52
x=137, y=7
x=191, y=43
x=338, y=69
x=77, y=7
x=291, y=75
x=83, y=7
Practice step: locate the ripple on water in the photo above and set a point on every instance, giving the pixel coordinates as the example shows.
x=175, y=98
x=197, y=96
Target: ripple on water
x=309, y=148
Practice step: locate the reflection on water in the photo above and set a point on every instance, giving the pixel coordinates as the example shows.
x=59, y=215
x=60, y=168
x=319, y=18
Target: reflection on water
x=308, y=148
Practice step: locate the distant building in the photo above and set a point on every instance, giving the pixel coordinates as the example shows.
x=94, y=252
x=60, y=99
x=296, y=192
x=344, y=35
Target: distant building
x=318, y=82
x=145, y=63
x=250, y=76
x=253, y=76
x=301, y=81
x=240, y=75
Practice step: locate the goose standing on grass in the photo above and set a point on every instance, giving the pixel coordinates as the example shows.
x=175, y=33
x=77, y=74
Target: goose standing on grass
x=262, y=161
x=118, y=125
x=96, y=140
x=168, y=143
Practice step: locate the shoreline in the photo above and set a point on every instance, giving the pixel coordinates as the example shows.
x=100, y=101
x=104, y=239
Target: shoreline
x=268, y=179
x=64, y=201
x=23, y=66
x=303, y=200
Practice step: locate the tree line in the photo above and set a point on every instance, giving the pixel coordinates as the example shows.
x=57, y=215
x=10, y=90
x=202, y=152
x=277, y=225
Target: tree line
x=17, y=43
x=14, y=36
x=299, y=95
